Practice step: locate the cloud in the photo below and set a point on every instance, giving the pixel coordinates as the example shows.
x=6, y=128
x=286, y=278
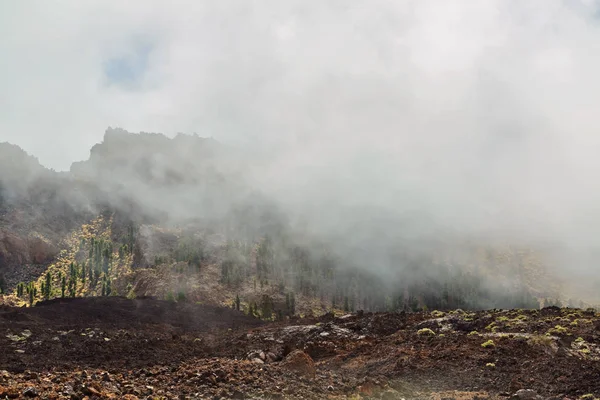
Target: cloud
x=481, y=115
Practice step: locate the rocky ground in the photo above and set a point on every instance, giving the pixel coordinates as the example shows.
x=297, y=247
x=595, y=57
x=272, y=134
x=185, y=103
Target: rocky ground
x=103, y=348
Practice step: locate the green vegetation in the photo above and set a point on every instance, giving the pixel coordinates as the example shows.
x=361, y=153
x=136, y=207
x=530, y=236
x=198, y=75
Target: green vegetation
x=268, y=270
x=541, y=340
x=425, y=332
x=489, y=343
x=558, y=330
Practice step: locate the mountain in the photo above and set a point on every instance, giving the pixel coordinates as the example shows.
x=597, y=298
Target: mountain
x=148, y=215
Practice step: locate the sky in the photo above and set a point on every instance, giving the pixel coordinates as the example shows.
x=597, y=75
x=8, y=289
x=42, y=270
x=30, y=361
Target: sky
x=294, y=72
x=483, y=111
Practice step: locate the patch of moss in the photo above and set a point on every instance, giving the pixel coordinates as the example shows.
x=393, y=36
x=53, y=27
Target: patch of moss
x=503, y=319
x=437, y=314
x=473, y=333
x=490, y=326
x=425, y=332
x=489, y=343
x=558, y=330
x=490, y=365
x=579, y=340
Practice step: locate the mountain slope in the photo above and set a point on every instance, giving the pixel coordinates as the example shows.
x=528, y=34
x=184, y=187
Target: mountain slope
x=179, y=218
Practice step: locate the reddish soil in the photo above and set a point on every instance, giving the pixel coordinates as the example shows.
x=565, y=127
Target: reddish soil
x=145, y=348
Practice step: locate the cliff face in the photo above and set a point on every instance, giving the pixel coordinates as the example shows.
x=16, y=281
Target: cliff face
x=150, y=158
x=180, y=178
x=15, y=249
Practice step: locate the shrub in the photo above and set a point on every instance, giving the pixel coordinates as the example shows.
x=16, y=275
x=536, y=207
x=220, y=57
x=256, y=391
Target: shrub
x=540, y=340
x=579, y=340
x=473, y=333
x=170, y=296
x=489, y=343
x=490, y=365
x=425, y=332
x=437, y=314
x=558, y=330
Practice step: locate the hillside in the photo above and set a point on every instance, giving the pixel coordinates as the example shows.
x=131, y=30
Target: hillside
x=179, y=219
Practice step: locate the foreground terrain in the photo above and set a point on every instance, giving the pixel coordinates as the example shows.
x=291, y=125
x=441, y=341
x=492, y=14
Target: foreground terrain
x=112, y=347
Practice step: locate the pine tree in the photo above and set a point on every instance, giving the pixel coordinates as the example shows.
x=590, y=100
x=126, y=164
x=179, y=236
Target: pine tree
x=287, y=303
x=72, y=286
x=237, y=302
x=48, y=285
x=20, y=289
x=63, y=286
x=292, y=304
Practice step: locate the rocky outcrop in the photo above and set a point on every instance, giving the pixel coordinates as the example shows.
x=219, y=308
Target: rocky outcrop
x=20, y=250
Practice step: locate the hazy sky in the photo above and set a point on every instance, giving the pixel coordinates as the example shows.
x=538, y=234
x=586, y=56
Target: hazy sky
x=398, y=73
x=471, y=108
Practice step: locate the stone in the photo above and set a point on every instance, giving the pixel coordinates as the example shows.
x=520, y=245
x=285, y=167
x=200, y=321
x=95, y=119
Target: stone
x=299, y=362
x=525, y=394
x=30, y=392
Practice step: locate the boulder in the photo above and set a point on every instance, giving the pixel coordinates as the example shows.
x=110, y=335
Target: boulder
x=299, y=362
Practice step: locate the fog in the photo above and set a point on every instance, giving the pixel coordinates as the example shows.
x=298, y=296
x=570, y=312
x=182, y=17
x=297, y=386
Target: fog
x=367, y=123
